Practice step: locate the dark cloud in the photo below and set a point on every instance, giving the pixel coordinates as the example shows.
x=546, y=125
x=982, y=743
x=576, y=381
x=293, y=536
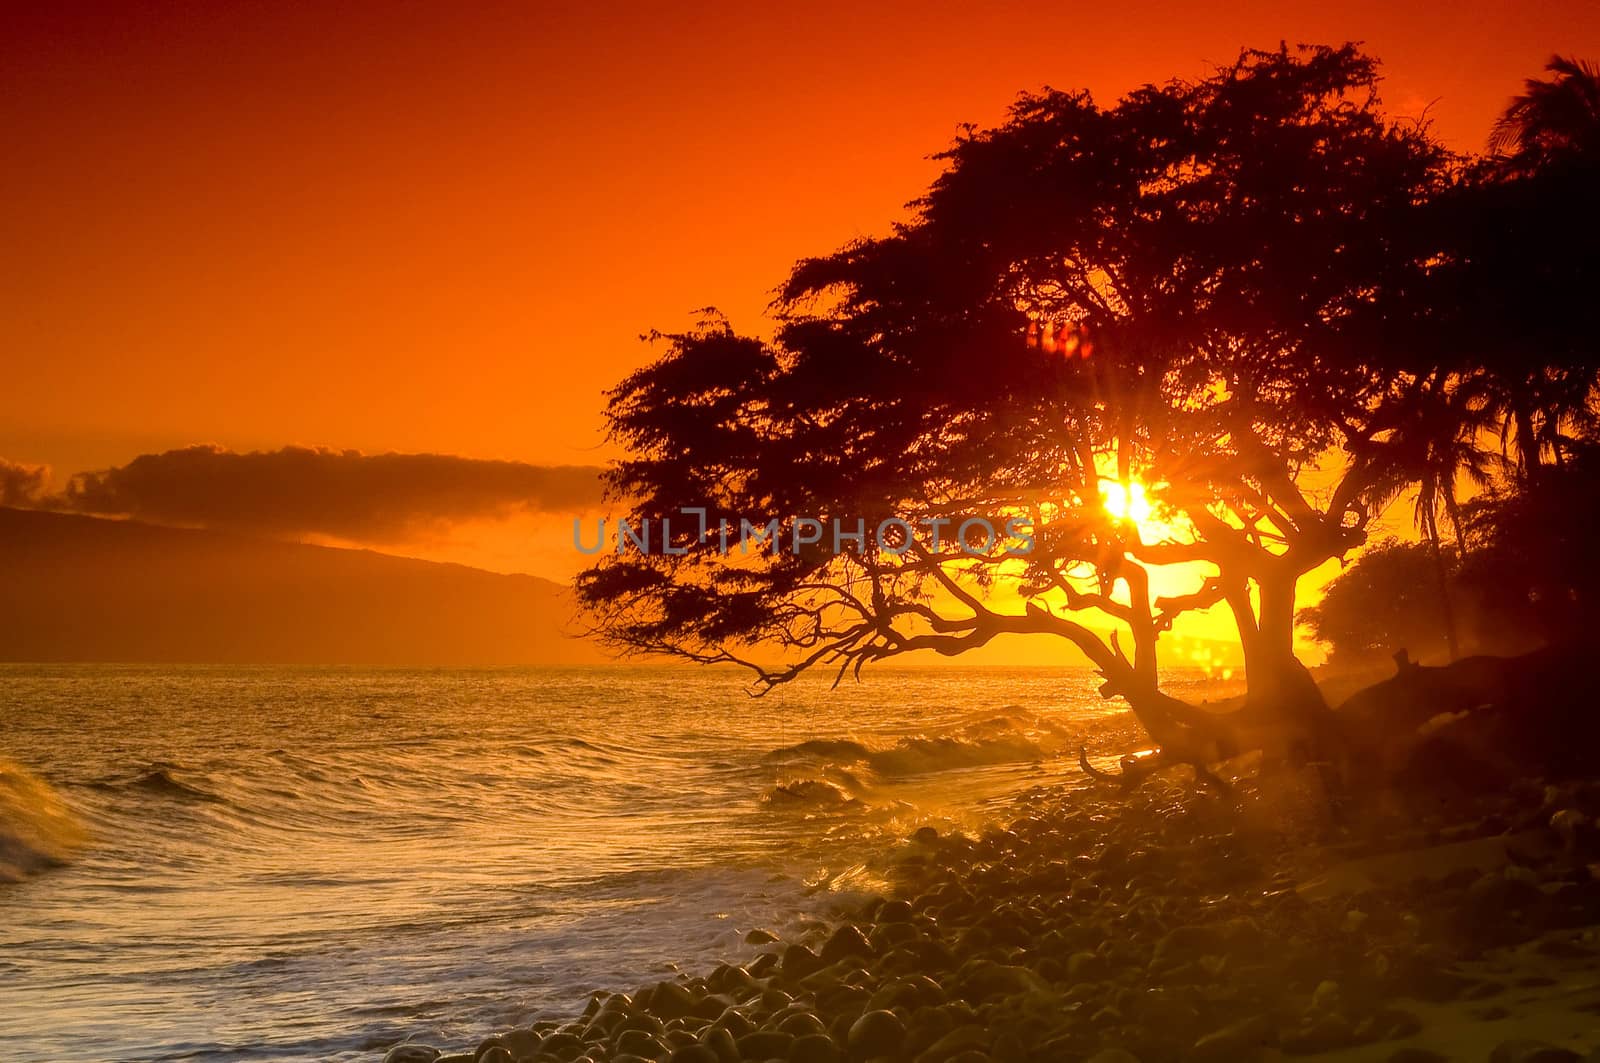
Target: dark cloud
x=300, y=491
x=22, y=485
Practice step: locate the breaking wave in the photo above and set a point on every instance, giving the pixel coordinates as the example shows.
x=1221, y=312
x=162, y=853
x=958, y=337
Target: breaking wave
x=809, y=792
x=989, y=742
x=37, y=831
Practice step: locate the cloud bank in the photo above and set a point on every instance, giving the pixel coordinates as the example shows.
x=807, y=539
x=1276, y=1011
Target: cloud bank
x=22, y=485
x=305, y=491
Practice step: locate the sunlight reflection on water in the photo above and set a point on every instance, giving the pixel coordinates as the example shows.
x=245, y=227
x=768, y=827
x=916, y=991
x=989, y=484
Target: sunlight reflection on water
x=306, y=864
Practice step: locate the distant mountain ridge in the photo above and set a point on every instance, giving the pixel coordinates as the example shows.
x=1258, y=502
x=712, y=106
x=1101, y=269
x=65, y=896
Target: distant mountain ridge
x=76, y=588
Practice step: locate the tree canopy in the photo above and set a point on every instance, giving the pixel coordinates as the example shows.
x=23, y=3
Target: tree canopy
x=1227, y=291
x=1386, y=602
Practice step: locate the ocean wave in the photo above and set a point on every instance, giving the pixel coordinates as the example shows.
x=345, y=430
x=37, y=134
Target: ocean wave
x=841, y=749
x=919, y=755
x=36, y=829
x=808, y=793
x=161, y=780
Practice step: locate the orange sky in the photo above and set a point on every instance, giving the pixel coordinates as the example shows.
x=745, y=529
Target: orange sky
x=442, y=227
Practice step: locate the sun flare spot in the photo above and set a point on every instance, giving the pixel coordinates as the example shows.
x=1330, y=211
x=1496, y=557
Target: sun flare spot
x=1126, y=501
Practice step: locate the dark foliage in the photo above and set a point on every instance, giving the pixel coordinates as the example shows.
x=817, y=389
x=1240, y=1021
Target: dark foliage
x=1248, y=292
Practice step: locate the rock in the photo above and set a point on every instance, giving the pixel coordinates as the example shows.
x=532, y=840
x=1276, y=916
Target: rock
x=896, y=911
x=1086, y=967
x=639, y=1043
x=799, y=961
x=1236, y=1043
x=760, y=937
x=775, y=1000
x=735, y=1022
x=1433, y=985
x=560, y=1045
x=647, y=1023
x=495, y=1054
x=1326, y=1033
x=695, y=1053
x=1412, y=1054
x=802, y=1024
x=1106, y=1016
x=523, y=1043
x=961, y=1039
x=847, y=941
x=1524, y=1051
x=886, y=936
x=1390, y=1024
x=671, y=1000
x=877, y=1033
x=1493, y=896
x=711, y=1006
x=1187, y=944
x=765, y=1044
x=982, y=979
x=1325, y=997
x=815, y=1048
x=411, y=1054
x=720, y=1041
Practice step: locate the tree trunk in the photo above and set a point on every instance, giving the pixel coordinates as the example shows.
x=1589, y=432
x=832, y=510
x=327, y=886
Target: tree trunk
x=1453, y=507
x=1431, y=526
x=1276, y=674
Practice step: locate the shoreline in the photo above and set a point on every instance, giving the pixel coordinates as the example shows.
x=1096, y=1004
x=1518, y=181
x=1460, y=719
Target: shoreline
x=1161, y=925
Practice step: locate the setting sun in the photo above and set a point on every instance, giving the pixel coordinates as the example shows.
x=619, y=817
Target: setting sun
x=1126, y=501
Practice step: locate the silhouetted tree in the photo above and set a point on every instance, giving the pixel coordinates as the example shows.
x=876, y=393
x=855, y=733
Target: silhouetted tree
x=1433, y=439
x=1386, y=601
x=1189, y=288
x=1552, y=118
x=1533, y=567
x=1513, y=293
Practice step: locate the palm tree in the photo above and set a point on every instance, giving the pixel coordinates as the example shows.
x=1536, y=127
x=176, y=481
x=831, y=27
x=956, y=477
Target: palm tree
x=1454, y=422
x=1538, y=207
x=1433, y=441
x=1553, y=117
x=1539, y=413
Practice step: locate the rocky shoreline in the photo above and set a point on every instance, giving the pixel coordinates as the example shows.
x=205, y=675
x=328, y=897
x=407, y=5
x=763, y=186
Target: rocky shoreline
x=1166, y=925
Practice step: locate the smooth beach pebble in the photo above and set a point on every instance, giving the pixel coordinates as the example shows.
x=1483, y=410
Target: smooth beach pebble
x=522, y=1043
x=896, y=911
x=815, y=1048
x=877, y=1033
x=671, y=1001
x=411, y=1054
x=696, y=1053
x=847, y=941
x=1524, y=1051
x=1412, y=1054
x=640, y=1043
x=802, y=1024
x=765, y=1044
x=760, y=937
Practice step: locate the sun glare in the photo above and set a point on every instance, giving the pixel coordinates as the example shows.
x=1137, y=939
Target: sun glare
x=1126, y=501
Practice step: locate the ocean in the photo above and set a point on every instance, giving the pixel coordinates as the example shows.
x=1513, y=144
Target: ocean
x=312, y=864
